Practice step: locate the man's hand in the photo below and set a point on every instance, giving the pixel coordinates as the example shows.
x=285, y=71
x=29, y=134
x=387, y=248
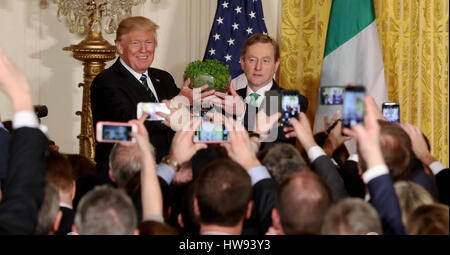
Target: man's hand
x=328, y=124
x=240, y=148
x=183, y=147
x=334, y=139
x=419, y=145
x=232, y=104
x=194, y=94
x=14, y=83
x=303, y=131
x=368, y=136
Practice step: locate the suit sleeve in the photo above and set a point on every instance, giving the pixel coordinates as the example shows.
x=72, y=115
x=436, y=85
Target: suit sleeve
x=384, y=199
x=25, y=181
x=327, y=170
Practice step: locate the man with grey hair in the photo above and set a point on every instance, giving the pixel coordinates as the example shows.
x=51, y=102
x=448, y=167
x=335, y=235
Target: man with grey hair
x=124, y=164
x=351, y=216
x=105, y=211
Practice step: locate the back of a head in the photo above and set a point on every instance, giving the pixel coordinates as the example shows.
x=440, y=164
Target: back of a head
x=397, y=150
x=410, y=196
x=58, y=171
x=223, y=192
x=135, y=23
x=351, y=216
x=124, y=163
x=150, y=227
x=106, y=211
x=282, y=160
x=430, y=219
x=302, y=201
x=81, y=166
x=49, y=209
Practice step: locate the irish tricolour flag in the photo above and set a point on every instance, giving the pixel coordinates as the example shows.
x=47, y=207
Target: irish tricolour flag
x=352, y=53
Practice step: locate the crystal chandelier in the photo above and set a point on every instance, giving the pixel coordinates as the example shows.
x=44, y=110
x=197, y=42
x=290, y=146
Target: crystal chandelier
x=91, y=14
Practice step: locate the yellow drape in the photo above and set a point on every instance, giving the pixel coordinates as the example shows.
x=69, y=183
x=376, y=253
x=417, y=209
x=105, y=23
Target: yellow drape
x=414, y=37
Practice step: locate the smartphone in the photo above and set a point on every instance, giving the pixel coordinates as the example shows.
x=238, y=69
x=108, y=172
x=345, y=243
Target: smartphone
x=331, y=95
x=210, y=132
x=391, y=112
x=113, y=132
x=151, y=109
x=290, y=106
x=353, y=106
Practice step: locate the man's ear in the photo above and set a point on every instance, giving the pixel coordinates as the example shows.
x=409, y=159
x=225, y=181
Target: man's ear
x=196, y=208
x=119, y=47
x=276, y=223
x=277, y=64
x=241, y=60
x=248, y=214
x=74, y=190
x=57, y=221
x=111, y=176
x=180, y=220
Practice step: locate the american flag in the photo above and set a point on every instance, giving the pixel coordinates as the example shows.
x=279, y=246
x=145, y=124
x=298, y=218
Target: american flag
x=235, y=21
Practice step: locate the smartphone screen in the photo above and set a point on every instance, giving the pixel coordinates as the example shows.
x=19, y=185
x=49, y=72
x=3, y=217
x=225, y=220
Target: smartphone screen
x=353, y=106
x=331, y=95
x=115, y=132
x=151, y=109
x=210, y=132
x=290, y=108
x=391, y=112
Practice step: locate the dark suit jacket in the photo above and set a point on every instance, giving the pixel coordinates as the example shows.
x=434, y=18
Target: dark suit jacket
x=115, y=93
x=384, y=199
x=442, y=183
x=24, y=184
x=249, y=123
x=67, y=220
x=5, y=139
x=328, y=172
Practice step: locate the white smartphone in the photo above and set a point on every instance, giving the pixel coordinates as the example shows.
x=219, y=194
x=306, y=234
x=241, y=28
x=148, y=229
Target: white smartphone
x=210, y=132
x=151, y=109
x=113, y=132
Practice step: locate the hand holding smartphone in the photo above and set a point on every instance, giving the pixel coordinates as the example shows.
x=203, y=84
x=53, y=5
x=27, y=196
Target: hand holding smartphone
x=210, y=132
x=114, y=132
x=353, y=106
x=290, y=106
x=391, y=112
x=151, y=109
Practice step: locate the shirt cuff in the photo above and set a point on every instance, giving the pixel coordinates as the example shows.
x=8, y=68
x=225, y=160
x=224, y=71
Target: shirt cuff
x=25, y=119
x=258, y=173
x=166, y=172
x=154, y=217
x=374, y=172
x=315, y=152
x=354, y=157
x=436, y=167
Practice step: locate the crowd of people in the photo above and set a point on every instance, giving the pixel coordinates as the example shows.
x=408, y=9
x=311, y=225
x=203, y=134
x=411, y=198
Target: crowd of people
x=165, y=183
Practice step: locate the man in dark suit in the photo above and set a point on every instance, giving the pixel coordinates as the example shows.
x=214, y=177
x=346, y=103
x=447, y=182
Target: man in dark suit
x=116, y=91
x=260, y=60
x=23, y=186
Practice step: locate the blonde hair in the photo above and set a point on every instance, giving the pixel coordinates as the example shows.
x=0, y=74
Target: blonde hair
x=136, y=23
x=410, y=196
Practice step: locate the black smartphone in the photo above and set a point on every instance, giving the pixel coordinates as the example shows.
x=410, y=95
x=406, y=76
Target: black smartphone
x=353, y=106
x=331, y=95
x=290, y=106
x=210, y=132
x=391, y=112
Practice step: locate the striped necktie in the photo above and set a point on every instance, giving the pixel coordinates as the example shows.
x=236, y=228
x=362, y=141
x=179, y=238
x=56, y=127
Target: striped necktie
x=145, y=84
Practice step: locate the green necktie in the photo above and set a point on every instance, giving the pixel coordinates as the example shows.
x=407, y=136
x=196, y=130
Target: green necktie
x=144, y=82
x=253, y=98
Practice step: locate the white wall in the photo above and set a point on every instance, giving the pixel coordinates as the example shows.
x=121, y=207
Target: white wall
x=32, y=37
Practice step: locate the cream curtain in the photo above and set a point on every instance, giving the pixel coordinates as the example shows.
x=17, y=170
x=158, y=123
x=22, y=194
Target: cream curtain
x=414, y=37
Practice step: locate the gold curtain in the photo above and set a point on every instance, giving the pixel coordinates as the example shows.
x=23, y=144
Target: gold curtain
x=414, y=37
